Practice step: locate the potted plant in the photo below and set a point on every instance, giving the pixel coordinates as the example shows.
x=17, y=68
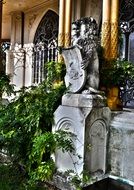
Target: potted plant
x=113, y=75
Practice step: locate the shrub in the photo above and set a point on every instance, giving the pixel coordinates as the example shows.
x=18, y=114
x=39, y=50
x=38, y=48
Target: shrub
x=25, y=127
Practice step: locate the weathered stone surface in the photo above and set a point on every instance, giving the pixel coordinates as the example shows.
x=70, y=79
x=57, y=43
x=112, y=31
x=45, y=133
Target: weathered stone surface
x=90, y=125
x=81, y=59
x=83, y=100
x=75, y=76
x=70, y=119
x=96, y=135
x=85, y=114
x=121, y=149
x=18, y=68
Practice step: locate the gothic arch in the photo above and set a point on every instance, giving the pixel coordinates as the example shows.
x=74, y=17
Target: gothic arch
x=36, y=23
x=127, y=47
x=45, y=45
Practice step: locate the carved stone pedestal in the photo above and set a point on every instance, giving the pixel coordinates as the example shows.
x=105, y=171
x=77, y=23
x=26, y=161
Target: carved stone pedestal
x=84, y=114
x=88, y=118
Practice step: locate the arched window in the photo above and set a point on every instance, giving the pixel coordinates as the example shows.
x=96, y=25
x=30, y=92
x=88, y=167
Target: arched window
x=45, y=44
x=127, y=46
x=127, y=28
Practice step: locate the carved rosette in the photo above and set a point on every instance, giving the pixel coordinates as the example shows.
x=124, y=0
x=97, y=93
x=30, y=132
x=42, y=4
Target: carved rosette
x=105, y=40
x=66, y=124
x=114, y=40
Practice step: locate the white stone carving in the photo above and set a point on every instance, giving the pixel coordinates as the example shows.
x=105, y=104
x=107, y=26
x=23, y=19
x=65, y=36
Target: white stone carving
x=9, y=64
x=28, y=63
x=82, y=59
x=19, y=57
x=89, y=126
x=98, y=140
x=75, y=76
x=64, y=120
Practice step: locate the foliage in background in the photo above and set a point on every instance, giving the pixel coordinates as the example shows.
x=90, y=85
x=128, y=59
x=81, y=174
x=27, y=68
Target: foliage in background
x=116, y=73
x=5, y=86
x=25, y=127
x=79, y=180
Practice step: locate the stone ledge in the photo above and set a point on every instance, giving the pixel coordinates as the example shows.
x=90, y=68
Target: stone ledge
x=84, y=100
x=121, y=141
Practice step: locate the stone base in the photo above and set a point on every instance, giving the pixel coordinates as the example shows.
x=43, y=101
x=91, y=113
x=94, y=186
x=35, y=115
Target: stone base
x=121, y=144
x=84, y=100
x=90, y=125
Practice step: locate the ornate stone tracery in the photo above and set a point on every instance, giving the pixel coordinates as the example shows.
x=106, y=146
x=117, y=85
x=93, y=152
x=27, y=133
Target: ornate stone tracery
x=126, y=10
x=45, y=45
x=127, y=29
x=47, y=29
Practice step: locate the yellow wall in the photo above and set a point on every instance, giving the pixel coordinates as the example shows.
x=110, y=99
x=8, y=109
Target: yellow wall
x=33, y=18
x=34, y=14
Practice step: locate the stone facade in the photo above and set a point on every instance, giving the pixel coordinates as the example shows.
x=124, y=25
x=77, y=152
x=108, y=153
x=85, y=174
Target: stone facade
x=102, y=147
x=121, y=150
x=24, y=24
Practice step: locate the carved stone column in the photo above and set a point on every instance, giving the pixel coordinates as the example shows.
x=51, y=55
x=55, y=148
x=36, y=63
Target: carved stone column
x=105, y=39
x=68, y=14
x=29, y=71
x=114, y=28
x=61, y=27
x=61, y=23
x=89, y=123
x=16, y=28
x=19, y=67
x=10, y=64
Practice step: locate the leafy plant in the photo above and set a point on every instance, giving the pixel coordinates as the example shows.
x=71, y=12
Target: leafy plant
x=78, y=180
x=5, y=85
x=25, y=127
x=116, y=73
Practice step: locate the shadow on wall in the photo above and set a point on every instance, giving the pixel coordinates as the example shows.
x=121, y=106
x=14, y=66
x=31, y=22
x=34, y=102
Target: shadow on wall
x=109, y=184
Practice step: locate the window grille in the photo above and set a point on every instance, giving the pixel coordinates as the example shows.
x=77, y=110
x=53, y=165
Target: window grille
x=127, y=47
x=45, y=45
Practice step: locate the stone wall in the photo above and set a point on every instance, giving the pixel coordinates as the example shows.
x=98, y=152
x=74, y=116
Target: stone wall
x=93, y=8
x=121, y=145
x=87, y=8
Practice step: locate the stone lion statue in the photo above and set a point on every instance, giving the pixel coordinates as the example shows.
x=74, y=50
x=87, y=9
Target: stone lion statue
x=85, y=36
x=81, y=59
